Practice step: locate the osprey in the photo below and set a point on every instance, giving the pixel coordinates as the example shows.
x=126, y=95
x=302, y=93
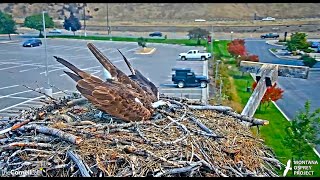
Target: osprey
x=129, y=98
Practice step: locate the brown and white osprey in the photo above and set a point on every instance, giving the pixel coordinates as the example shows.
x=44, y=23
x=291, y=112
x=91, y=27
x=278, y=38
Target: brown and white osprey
x=126, y=97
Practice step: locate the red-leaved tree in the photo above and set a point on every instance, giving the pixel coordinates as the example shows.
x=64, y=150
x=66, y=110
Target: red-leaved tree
x=273, y=93
x=236, y=47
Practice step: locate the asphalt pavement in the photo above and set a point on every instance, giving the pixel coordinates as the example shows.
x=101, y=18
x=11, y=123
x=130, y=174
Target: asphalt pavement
x=26, y=66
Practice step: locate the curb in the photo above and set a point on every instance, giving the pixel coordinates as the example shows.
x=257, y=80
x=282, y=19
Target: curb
x=268, y=42
x=152, y=51
x=289, y=58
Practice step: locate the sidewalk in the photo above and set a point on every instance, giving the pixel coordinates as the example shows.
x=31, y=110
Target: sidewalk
x=273, y=43
x=285, y=57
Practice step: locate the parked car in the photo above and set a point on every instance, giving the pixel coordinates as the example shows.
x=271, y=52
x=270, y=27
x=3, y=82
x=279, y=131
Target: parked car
x=184, y=77
x=194, y=54
x=270, y=35
x=159, y=34
x=55, y=31
x=32, y=43
x=315, y=44
x=268, y=19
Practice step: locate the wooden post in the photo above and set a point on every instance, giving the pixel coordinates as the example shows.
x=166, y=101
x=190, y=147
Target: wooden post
x=266, y=75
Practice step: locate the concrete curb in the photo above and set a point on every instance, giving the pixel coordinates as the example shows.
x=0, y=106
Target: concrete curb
x=152, y=51
x=283, y=57
x=273, y=44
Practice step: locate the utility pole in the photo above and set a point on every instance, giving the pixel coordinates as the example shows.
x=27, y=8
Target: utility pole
x=212, y=41
x=108, y=27
x=84, y=19
x=48, y=90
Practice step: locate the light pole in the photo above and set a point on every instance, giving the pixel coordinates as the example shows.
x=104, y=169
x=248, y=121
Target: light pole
x=231, y=35
x=217, y=69
x=48, y=90
x=84, y=19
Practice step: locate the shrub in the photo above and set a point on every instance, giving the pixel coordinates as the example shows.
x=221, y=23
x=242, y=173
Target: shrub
x=308, y=61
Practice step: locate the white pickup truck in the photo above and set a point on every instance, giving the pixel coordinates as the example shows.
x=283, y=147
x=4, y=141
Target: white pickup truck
x=194, y=54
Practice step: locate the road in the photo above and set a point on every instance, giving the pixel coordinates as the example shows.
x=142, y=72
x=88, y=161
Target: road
x=26, y=66
x=296, y=91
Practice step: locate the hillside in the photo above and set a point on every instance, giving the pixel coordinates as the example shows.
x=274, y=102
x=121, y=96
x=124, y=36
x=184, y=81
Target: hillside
x=162, y=12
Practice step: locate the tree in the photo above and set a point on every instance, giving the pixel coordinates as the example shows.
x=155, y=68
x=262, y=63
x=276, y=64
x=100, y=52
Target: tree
x=237, y=48
x=7, y=24
x=273, y=93
x=198, y=33
x=142, y=42
x=72, y=23
x=303, y=129
x=298, y=41
x=308, y=61
x=36, y=22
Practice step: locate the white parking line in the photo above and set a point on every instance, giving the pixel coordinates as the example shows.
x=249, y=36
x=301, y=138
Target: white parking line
x=64, y=74
x=57, y=69
x=21, y=92
x=38, y=68
x=6, y=87
x=17, y=97
x=4, y=109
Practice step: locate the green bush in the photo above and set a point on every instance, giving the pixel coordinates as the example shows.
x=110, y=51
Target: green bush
x=308, y=61
x=273, y=49
x=142, y=42
x=308, y=50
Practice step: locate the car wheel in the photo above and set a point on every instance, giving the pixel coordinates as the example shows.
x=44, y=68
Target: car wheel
x=31, y=45
x=183, y=58
x=180, y=84
x=203, y=58
x=203, y=84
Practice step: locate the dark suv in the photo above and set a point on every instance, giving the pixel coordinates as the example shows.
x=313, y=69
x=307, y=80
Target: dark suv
x=184, y=77
x=270, y=35
x=159, y=34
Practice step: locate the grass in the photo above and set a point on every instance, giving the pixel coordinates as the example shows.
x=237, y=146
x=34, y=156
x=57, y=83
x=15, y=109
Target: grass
x=274, y=134
x=186, y=42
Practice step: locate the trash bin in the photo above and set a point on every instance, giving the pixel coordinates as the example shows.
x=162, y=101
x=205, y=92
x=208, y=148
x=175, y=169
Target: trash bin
x=248, y=89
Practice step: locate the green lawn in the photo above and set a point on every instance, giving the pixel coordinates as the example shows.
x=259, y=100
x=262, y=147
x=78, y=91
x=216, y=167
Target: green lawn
x=274, y=134
x=186, y=42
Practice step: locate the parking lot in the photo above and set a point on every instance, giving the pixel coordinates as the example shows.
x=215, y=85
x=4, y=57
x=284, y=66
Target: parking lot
x=26, y=66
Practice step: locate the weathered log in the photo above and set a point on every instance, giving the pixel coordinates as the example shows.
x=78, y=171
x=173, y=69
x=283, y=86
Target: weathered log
x=228, y=111
x=209, y=107
x=252, y=120
x=77, y=101
x=179, y=170
x=82, y=167
x=25, y=144
x=55, y=132
x=202, y=126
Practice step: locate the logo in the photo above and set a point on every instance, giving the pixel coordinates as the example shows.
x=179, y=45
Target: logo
x=288, y=167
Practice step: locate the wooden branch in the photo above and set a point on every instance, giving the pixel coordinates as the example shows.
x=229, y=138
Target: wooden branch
x=202, y=126
x=252, y=120
x=25, y=144
x=179, y=170
x=55, y=132
x=82, y=167
x=209, y=107
x=40, y=92
x=77, y=101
